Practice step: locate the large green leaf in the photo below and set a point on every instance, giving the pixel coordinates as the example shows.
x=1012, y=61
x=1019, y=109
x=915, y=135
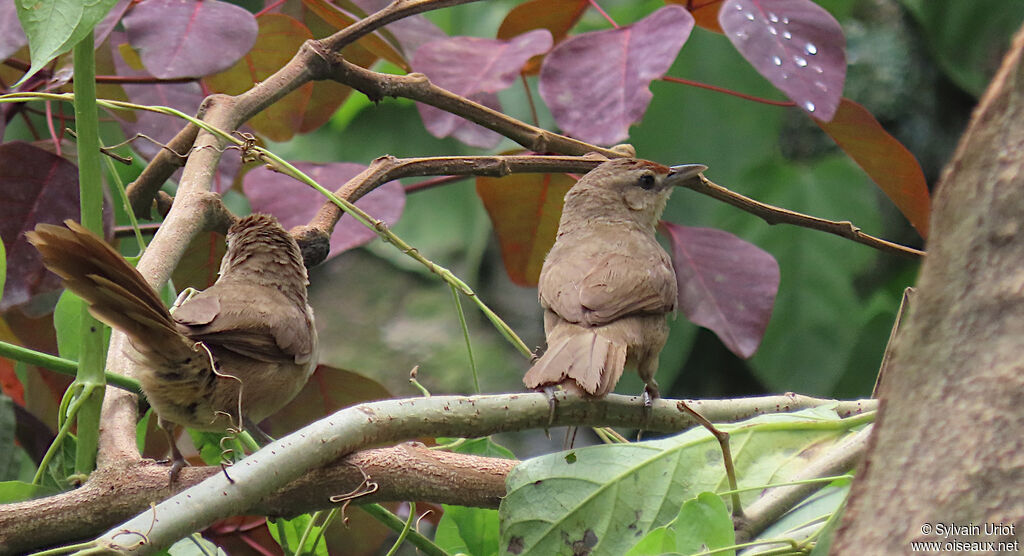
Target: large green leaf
x=610, y=496
x=471, y=531
x=54, y=26
x=703, y=523
x=17, y=491
x=288, y=533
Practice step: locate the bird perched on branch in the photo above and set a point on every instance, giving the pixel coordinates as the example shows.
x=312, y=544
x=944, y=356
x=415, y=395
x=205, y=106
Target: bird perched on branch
x=606, y=285
x=231, y=354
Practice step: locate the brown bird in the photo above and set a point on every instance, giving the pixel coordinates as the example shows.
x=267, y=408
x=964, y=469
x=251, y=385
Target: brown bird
x=606, y=285
x=231, y=354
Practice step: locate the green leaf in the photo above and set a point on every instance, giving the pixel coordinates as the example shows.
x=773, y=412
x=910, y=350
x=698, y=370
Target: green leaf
x=53, y=27
x=67, y=317
x=214, y=448
x=808, y=518
x=18, y=491
x=615, y=494
x=288, y=533
x=703, y=524
x=62, y=465
x=479, y=447
x=472, y=531
x=194, y=545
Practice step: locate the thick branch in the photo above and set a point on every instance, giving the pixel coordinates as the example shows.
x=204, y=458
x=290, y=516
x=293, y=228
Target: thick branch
x=114, y=494
x=404, y=472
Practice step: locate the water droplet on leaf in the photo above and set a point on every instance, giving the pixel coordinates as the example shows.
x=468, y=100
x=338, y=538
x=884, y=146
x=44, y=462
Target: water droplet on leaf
x=811, y=49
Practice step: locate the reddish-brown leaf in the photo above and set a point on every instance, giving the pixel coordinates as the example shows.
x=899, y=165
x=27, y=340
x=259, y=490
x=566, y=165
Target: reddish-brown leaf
x=597, y=84
x=524, y=209
x=9, y=383
x=795, y=44
x=328, y=95
x=339, y=20
x=885, y=160
x=200, y=263
x=557, y=16
x=704, y=12
x=280, y=36
x=726, y=284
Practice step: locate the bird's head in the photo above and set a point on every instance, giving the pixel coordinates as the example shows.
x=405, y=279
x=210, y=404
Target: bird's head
x=628, y=188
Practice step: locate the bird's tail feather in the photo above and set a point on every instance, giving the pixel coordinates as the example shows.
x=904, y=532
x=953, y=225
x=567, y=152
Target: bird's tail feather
x=592, y=361
x=116, y=293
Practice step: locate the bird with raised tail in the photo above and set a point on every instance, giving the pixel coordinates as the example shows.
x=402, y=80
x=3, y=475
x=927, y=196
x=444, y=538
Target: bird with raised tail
x=231, y=354
x=607, y=285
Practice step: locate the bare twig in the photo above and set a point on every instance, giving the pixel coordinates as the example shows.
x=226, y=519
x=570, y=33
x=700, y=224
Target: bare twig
x=416, y=86
x=723, y=442
x=775, y=215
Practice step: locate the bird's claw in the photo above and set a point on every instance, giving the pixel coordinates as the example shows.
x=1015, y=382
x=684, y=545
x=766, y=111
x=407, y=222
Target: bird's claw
x=549, y=391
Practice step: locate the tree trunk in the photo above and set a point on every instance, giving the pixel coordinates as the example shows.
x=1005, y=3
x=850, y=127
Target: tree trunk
x=949, y=442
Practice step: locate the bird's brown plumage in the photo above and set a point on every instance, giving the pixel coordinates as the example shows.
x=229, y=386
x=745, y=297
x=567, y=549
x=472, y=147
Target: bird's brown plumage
x=606, y=285
x=247, y=343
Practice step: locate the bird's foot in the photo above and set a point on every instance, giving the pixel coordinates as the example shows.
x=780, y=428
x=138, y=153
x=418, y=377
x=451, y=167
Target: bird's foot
x=648, y=396
x=549, y=391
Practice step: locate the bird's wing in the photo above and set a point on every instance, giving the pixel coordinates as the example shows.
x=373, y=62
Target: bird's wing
x=615, y=285
x=244, y=326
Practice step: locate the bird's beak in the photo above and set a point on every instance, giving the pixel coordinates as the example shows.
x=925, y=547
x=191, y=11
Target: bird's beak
x=679, y=174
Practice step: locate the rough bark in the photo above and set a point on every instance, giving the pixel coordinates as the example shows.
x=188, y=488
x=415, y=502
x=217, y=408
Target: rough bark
x=948, y=447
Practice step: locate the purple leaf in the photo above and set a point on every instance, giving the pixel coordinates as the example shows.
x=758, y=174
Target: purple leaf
x=795, y=44
x=725, y=284
x=184, y=97
x=596, y=84
x=188, y=38
x=105, y=27
x=12, y=37
x=294, y=203
x=36, y=186
x=477, y=69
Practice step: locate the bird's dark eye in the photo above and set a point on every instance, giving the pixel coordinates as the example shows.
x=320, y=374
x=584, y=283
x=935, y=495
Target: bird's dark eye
x=646, y=181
